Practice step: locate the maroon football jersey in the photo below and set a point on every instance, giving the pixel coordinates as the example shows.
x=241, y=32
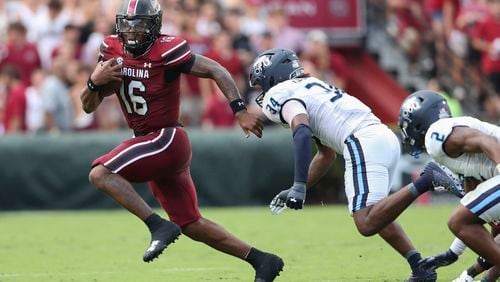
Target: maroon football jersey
x=150, y=94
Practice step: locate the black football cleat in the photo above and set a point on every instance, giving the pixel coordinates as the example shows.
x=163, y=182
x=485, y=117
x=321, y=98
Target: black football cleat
x=165, y=235
x=269, y=267
x=438, y=260
x=423, y=276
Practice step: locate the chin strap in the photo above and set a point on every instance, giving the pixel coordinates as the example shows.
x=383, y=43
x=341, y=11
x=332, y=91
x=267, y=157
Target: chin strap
x=415, y=152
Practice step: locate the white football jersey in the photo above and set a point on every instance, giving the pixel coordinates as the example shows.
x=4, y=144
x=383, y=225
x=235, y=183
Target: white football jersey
x=476, y=165
x=333, y=114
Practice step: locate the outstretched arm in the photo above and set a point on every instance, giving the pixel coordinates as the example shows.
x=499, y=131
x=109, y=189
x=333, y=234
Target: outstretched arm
x=208, y=68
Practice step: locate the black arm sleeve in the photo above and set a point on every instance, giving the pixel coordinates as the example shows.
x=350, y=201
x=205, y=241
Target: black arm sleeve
x=302, y=139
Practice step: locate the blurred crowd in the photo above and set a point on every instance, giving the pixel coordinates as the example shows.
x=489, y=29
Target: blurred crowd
x=48, y=48
x=454, y=45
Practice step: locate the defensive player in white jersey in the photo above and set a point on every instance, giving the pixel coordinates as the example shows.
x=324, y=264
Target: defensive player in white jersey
x=340, y=124
x=467, y=146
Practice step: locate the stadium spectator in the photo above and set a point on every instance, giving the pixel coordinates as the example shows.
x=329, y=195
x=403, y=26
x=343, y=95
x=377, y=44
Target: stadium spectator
x=78, y=76
x=35, y=110
x=56, y=99
x=253, y=21
x=407, y=24
x=14, y=115
x=208, y=20
x=241, y=42
x=19, y=52
x=223, y=53
x=191, y=96
x=284, y=35
x=69, y=47
x=49, y=30
x=90, y=51
x=217, y=113
x=331, y=65
x=160, y=152
x=486, y=38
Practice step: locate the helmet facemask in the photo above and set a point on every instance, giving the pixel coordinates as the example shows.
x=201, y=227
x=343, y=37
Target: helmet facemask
x=137, y=32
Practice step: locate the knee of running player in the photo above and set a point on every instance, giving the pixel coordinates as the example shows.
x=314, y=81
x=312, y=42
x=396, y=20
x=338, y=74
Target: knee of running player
x=455, y=223
x=98, y=175
x=365, y=225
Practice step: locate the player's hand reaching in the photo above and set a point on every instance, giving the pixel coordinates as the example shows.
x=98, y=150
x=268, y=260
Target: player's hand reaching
x=293, y=198
x=106, y=72
x=250, y=123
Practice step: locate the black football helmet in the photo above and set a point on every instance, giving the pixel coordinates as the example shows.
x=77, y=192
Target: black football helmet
x=272, y=67
x=138, y=24
x=418, y=112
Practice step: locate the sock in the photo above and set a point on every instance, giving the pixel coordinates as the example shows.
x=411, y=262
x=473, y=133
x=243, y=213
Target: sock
x=153, y=222
x=413, y=257
x=472, y=272
x=484, y=263
x=253, y=257
x=458, y=247
x=421, y=184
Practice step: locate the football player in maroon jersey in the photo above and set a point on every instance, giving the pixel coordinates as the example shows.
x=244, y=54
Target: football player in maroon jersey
x=147, y=65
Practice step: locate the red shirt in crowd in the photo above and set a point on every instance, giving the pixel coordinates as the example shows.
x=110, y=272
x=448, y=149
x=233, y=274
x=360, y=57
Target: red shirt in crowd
x=25, y=58
x=218, y=112
x=15, y=107
x=489, y=30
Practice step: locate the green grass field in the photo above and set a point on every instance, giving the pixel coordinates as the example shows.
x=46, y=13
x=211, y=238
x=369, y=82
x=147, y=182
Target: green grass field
x=318, y=244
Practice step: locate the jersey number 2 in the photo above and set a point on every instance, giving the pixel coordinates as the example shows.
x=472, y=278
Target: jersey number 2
x=139, y=105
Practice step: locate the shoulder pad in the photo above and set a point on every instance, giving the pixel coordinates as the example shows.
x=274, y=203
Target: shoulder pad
x=436, y=135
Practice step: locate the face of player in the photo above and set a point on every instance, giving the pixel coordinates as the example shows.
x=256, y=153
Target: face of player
x=133, y=31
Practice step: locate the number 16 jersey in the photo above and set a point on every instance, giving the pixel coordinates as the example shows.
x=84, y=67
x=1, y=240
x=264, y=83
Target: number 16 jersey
x=150, y=90
x=333, y=114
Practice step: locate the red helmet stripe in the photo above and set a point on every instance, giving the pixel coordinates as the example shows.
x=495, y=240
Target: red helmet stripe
x=132, y=7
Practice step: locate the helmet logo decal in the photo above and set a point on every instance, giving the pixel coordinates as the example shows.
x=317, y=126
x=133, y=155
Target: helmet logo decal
x=409, y=106
x=261, y=63
x=132, y=7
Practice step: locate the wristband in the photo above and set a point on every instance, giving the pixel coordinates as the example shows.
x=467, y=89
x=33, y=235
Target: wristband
x=237, y=105
x=92, y=86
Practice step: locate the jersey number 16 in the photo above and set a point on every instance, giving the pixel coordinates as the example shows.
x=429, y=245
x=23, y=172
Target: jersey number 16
x=139, y=105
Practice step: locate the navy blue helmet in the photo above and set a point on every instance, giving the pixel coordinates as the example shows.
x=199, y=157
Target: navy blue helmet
x=138, y=24
x=418, y=112
x=272, y=67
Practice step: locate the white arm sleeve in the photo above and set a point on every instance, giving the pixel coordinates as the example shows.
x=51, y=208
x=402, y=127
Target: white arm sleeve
x=291, y=109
